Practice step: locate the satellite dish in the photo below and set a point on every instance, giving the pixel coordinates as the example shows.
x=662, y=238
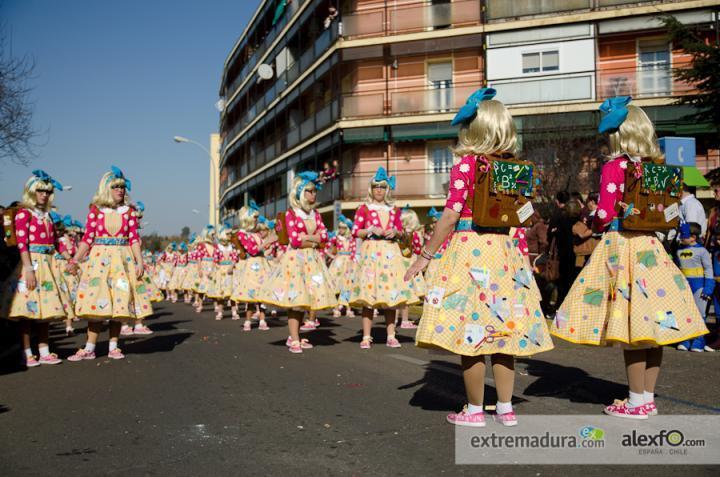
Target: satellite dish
x=265, y=72
x=220, y=105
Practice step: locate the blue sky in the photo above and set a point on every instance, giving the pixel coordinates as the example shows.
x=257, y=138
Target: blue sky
x=114, y=82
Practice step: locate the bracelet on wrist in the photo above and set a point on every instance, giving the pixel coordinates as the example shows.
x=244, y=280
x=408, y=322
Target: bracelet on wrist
x=424, y=253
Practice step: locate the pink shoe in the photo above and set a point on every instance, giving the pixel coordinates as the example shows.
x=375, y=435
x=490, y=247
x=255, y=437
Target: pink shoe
x=81, y=355
x=116, y=354
x=392, y=342
x=651, y=409
x=31, y=362
x=50, y=359
x=350, y=314
x=336, y=313
x=304, y=343
x=247, y=326
x=464, y=418
x=408, y=325
x=126, y=330
x=198, y=309
x=621, y=409
x=142, y=330
x=308, y=326
x=317, y=323
x=366, y=342
x=218, y=316
x=235, y=316
x=508, y=419
x=69, y=331
x=295, y=347
x=273, y=313
x=263, y=326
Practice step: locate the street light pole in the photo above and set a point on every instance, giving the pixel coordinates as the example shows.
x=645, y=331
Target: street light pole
x=214, y=179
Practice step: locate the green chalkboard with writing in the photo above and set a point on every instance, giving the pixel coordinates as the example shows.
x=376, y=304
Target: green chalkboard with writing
x=662, y=178
x=512, y=177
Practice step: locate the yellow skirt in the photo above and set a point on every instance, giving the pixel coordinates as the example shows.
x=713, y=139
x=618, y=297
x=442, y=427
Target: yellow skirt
x=221, y=285
x=70, y=281
x=630, y=292
x=108, y=288
x=342, y=270
x=191, y=277
x=300, y=280
x=178, y=277
x=480, y=300
x=206, y=268
x=152, y=291
x=50, y=300
x=252, y=275
x=378, y=280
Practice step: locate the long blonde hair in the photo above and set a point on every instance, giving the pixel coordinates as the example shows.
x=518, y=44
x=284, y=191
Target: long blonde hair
x=389, y=199
x=247, y=219
x=29, y=198
x=635, y=136
x=103, y=195
x=492, y=131
x=300, y=203
x=410, y=220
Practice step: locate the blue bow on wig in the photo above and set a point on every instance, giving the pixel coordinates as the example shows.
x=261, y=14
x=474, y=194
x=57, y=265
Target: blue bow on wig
x=183, y=247
x=192, y=238
x=68, y=221
x=264, y=220
x=78, y=224
x=41, y=175
x=252, y=205
x=434, y=214
x=116, y=173
x=55, y=217
x=382, y=176
x=140, y=206
x=173, y=246
x=614, y=113
x=332, y=235
x=307, y=177
x=346, y=221
x=271, y=224
x=468, y=112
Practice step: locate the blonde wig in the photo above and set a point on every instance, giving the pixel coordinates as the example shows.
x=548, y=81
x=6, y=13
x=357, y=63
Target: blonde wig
x=207, y=235
x=223, y=235
x=247, y=219
x=636, y=136
x=491, y=132
x=301, y=203
x=343, y=229
x=410, y=220
x=103, y=196
x=29, y=199
x=389, y=200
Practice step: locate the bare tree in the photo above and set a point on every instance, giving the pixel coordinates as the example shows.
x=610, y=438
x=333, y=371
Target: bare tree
x=16, y=111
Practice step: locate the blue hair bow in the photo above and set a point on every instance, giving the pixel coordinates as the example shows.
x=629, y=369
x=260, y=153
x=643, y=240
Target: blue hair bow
x=614, y=113
x=434, y=214
x=78, y=224
x=193, y=236
x=67, y=221
x=406, y=208
x=271, y=224
x=183, y=247
x=210, y=227
x=346, y=221
x=331, y=234
x=41, y=175
x=263, y=220
x=382, y=176
x=469, y=110
x=252, y=205
x=140, y=206
x=55, y=217
x=307, y=177
x=116, y=173
x=173, y=246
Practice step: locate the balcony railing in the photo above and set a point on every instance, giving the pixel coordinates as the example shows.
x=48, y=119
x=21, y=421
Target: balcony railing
x=640, y=82
x=408, y=19
x=498, y=9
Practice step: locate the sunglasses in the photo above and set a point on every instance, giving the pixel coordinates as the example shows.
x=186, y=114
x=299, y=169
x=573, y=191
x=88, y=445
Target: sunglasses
x=380, y=186
x=312, y=191
x=119, y=187
x=44, y=191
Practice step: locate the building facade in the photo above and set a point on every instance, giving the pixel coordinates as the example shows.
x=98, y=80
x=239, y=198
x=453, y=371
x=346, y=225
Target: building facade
x=368, y=83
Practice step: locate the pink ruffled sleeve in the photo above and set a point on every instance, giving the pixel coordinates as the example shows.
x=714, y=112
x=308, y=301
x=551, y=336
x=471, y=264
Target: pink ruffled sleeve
x=133, y=233
x=249, y=243
x=416, y=243
x=360, y=220
x=291, y=225
x=22, y=229
x=397, y=223
x=321, y=229
x=612, y=184
x=460, y=184
x=91, y=226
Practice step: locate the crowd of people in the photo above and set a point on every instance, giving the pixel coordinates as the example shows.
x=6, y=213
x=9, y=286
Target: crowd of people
x=477, y=269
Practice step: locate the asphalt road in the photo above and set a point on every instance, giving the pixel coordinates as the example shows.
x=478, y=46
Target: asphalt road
x=200, y=397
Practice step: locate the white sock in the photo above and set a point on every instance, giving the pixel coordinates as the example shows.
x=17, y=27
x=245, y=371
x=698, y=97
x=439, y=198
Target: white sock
x=503, y=407
x=636, y=399
x=44, y=351
x=138, y=326
x=390, y=336
x=648, y=397
x=89, y=347
x=473, y=409
x=113, y=345
x=28, y=352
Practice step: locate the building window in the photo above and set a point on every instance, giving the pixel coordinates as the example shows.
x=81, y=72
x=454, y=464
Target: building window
x=653, y=67
x=440, y=79
x=440, y=157
x=541, y=61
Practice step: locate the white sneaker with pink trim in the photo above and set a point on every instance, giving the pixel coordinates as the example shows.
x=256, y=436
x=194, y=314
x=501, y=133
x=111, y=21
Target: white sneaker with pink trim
x=464, y=418
x=621, y=409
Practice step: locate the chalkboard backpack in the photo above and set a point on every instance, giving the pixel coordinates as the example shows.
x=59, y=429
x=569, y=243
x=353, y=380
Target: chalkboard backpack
x=504, y=188
x=651, y=201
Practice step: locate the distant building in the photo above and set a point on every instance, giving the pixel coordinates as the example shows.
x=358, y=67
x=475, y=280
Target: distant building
x=378, y=83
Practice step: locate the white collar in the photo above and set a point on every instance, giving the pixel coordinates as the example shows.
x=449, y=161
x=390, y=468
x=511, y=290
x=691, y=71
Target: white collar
x=40, y=214
x=385, y=207
x=304, y=215
x=225, y=248
x=119, y=210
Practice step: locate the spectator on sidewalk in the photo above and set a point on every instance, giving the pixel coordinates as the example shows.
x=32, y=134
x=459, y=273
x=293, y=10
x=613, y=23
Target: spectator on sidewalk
x=560, y=230
x=691, y=210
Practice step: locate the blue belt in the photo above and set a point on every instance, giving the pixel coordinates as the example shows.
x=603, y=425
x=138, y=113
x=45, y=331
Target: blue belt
x=181, y=265
x=344, y=253
x=111, y=241
x=193, y=262
x=615, y=225
x=227, y=262
x=44, y=249
x=207, y=259
x=59, y=256
x=469, y=226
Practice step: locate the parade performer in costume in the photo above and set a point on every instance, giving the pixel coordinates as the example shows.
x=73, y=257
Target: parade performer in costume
x=167, y=268
x=110, y=287
x=266, y=231
x=412, y=245
x=479, y=301
x=344, y=264
x=204, y=254
x=378, y=281
x=429, y=229
x=191, y=276
x=301, y=281
x=179, y=272
x=630, y=293
x=224, y=259
x=36, y=293
x=255, y=267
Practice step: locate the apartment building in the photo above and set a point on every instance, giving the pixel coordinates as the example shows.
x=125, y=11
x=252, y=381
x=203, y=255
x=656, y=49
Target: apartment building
x=370, y=82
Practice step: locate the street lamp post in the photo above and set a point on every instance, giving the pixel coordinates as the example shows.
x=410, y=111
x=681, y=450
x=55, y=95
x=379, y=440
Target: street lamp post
x=214, y=185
